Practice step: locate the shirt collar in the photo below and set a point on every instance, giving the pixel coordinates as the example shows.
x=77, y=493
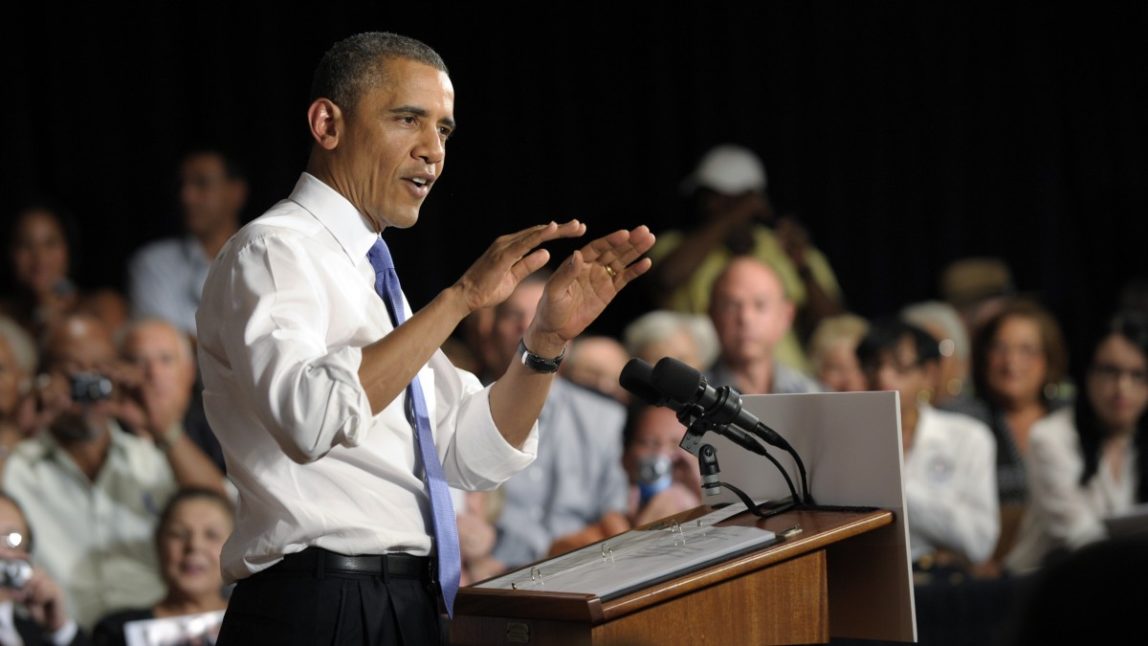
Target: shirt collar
x=339, y=216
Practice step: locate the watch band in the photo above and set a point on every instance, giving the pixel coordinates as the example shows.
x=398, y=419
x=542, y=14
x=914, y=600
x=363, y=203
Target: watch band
x=537, y=363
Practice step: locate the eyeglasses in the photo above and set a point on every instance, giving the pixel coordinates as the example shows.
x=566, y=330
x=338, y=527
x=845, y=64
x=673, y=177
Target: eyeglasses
x=1109, y=372
x=12, y=540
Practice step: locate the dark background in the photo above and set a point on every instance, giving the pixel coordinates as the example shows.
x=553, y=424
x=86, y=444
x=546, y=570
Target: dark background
x=904, y=134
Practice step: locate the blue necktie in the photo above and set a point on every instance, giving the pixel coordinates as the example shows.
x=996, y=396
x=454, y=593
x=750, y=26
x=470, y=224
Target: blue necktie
x=442, y=512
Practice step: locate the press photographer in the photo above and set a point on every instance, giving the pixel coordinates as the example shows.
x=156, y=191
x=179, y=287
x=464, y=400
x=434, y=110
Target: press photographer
x=32, y=608
x=88, y=485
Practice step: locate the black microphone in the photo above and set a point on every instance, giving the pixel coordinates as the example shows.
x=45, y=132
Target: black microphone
x=720, y=406
x=637, y=377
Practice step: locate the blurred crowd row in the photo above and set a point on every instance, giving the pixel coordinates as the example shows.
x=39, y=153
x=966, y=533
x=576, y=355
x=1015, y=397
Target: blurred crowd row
x=1013, y=455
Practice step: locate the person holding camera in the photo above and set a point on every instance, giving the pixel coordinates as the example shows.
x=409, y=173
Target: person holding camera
x=32, y=609
x=92, y=489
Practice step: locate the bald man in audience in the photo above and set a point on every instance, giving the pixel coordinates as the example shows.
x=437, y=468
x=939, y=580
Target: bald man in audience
x=164, y=356
x=752, y=314
x=92, y=490
x=596, y=362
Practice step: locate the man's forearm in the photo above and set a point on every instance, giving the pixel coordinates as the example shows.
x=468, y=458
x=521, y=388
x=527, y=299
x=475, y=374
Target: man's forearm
x=390, y=363
x=517, y=397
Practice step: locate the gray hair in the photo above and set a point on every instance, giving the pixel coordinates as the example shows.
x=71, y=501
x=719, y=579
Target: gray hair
x=357, y=63
x=843, y=327
x=659, y=325
x=929, y=314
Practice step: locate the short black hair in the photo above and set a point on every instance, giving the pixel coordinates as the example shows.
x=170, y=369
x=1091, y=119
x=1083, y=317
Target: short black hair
x=355, y=64
x=233, y=166
x=884, y=336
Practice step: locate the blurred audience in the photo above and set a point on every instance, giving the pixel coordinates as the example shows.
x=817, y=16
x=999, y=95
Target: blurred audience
x=574, y=492
x=731, y=216
x=664, y=478
x=944, y=323
x=689, y=338
x=90, y=487
x=476, y=513
x=188, y=540
x=833, y=352
x=16, y=368
x=950, y=484
x=167, y=366
x=751, y=315
x=41, y=248
x=1019, y=363
x=32, y=605
x=1085, y=463
x=167, y=275
x=978, y=288
x=596, y=362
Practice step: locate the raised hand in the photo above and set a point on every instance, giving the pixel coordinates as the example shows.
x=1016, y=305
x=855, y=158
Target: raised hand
x=584, y=285
x=512, y=257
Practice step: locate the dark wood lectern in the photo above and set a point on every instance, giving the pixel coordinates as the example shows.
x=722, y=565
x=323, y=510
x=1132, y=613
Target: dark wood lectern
x=779, y=594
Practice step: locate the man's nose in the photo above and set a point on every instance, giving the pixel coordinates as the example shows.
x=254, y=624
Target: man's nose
x=431, y=148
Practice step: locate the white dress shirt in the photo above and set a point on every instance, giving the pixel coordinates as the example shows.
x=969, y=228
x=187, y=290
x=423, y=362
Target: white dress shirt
x=1062, y=513
x=287, y=307
x=95, y=538
x=951, y=486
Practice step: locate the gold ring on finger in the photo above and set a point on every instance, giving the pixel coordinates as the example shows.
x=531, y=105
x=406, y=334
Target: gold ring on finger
x=610, y=270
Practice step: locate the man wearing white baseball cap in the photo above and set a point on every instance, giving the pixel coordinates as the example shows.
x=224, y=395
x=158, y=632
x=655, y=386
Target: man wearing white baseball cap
x=732, y=216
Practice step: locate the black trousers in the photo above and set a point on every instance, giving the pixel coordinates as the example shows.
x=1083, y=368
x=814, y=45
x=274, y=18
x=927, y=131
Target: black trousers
x=319, y=608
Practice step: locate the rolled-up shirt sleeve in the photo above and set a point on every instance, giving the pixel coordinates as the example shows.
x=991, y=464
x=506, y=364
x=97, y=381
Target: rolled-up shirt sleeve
x=308, y=397
x=477, y=457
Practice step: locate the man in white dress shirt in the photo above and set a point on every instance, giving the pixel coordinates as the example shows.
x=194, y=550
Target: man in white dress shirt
x=308, y=379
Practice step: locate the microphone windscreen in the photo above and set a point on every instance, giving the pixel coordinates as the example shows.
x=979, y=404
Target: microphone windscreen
x=676, y=379
x=637, y=378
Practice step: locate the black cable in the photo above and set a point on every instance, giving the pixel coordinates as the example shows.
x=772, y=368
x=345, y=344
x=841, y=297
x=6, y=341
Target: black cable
x=755, y=509
x=764, y=432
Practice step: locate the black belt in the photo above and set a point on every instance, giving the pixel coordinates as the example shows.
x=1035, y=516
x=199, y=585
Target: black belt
x=318, y=561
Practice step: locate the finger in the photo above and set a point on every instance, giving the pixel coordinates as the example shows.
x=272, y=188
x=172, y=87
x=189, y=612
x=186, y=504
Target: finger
x=568, y=272
x=633, y=271
x=530, y=264
x=519, y=244
x=621, y=248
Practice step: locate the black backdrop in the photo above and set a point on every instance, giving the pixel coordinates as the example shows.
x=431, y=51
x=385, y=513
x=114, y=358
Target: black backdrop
x=904, y=134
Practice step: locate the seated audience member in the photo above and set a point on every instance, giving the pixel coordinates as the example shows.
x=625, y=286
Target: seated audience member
x=164, y=356
x=91, y=488
x=689, y=338
x=1019, y=361
x=41, y=244
x=574, y=492
x=978, y=288
x=15, y=383
x=833, y=352
x=32, y=606
x=731, y=216
x=596, y=362
x=167, y=275
x=752, y=315
x=192, y=529
x=664, y=478
x=476, y=513
x=1085, y=463
x=944, y=323
x=950, y=484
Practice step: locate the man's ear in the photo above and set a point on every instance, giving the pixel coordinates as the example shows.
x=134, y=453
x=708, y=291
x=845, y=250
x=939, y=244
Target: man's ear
x=326, y=122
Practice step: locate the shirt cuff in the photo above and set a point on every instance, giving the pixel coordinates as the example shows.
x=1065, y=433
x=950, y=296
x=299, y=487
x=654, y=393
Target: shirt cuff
x=482, y=447
x=65, y=634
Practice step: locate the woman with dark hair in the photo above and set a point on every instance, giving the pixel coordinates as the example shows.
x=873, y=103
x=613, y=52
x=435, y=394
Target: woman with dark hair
x=1019, y=365
x=41, y=244
x=190, y=535
x=1083, y=464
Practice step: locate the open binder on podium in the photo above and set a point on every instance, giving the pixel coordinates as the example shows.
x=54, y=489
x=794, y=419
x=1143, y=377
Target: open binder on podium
x=714, y=575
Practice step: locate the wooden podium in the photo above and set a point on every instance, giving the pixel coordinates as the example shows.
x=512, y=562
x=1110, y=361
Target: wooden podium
x=778, y=594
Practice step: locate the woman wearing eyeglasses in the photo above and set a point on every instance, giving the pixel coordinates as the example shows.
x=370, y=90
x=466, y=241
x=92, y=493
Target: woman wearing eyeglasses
x=1084, y=463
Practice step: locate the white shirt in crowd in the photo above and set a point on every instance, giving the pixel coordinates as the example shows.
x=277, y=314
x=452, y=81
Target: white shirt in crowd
x=951, y=487
x=287, y=307
x=1062, y=513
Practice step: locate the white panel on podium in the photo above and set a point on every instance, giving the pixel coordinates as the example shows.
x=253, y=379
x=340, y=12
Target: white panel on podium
x=851, y=446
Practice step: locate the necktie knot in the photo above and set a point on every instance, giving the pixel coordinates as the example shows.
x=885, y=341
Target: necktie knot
x=380, y=256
